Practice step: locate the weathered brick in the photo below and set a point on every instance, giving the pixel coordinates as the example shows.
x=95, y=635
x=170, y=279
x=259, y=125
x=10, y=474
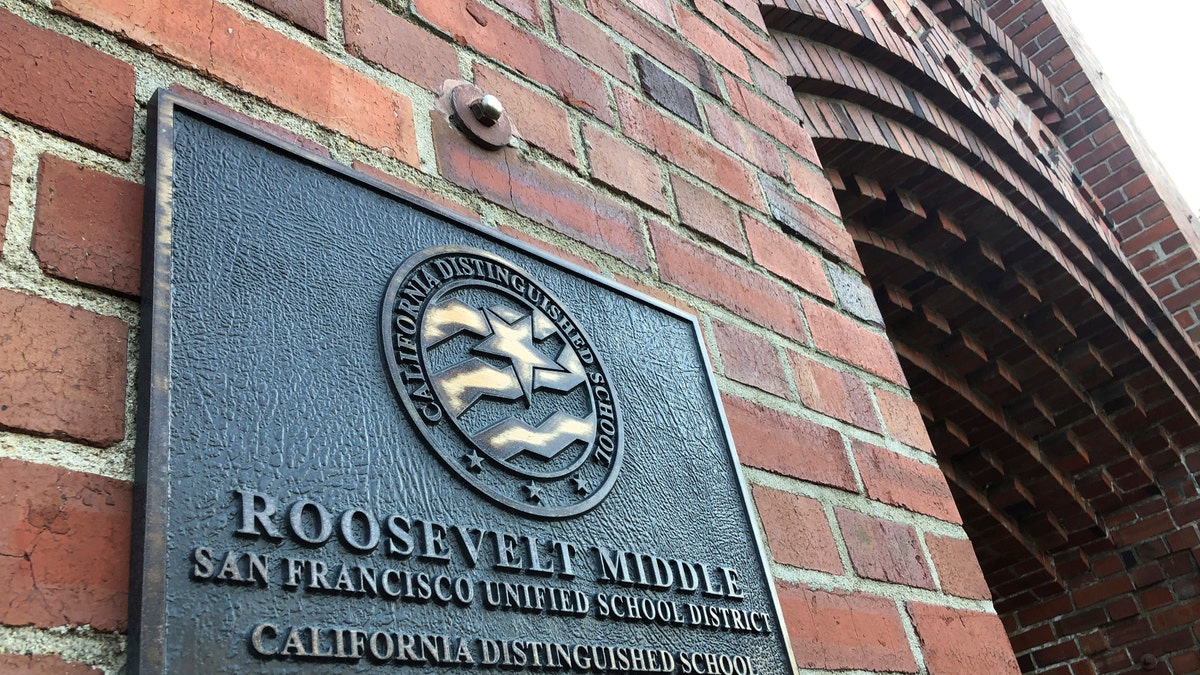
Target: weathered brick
x=659, y=9
x=807, y=223
x=43, y=664
x=537, y=118
x=746, y=141
x=957, y=568
x=854, y=295
x=63, y=370
x=784, y=256
x=662, y=45
x=374, y=34
x=706, y=213
x=897, y=480
x=6, y=162
x=884, y=550
x=472, y=24
x=776, y=442
x=750, y=359
x=843, y=338
x=661, y=87
x=754, y=297
x=714, y=44
x=88, y=226
x=217, y=41
x=834, y=393
x=64, y=547
x=845, y=631
x=584, y=36
x=771, y=120
x=307, y=14
x=537, y=191
x=797, y=530
x=530, y=10
x=903, y=420
x=952, y=638
x=622, y=167
x=755, y=42
x=749, y=9
x=65, y=87
x=687, y=149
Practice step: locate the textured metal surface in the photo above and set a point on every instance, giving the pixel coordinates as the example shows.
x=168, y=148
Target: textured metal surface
x=298, y=519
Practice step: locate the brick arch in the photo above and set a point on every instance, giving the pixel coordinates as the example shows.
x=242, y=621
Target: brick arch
x=1060, y=395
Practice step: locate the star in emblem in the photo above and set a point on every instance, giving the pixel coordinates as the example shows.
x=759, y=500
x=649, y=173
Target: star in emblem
x=474, y=461
x=534, y=490
x=581, y=485
x=514, y=341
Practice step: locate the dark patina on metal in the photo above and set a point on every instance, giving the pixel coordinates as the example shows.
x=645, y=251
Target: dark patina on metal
x=373, y=436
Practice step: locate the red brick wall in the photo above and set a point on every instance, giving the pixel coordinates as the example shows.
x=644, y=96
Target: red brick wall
x=658, y=145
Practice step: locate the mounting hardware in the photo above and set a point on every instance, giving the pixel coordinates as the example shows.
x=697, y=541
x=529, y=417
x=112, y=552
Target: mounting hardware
x=480, y=116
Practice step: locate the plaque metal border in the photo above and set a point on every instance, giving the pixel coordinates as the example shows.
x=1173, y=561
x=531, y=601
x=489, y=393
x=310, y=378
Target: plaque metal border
x=147, y=593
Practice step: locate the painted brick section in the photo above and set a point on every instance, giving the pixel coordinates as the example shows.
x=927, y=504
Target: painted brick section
x=884, y=550
x=754, y=297
x=797, y=530
x=897, y=480
x=951, y=638
x=63, y=370
x=469, y=23
x=64, y=547
x=65, y=87
x=88, y=226
x=6, y=162
x=374, y=34
x=307, y=14
x=782, y=255
x=845, y=631
x=834, y=393
x=770, y=440
x=843, y=338
x=706, y=213
x=537, y=118
x=750, y=359
x=624, y=168
x=537, y=191
x=219, y=42
x=42, y=664
x=957, y=569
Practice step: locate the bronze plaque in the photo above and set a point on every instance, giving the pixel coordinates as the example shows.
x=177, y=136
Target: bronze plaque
x=375, y=436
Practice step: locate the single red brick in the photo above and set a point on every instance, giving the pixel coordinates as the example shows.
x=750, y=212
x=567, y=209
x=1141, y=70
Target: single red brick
x=903, y=420
x=218, y=41
x=536, y=118
x=754, y=42
x=884, y=550
x=624, y=168
x=65, y=87
x=64, y=547
x=746, y=141
x=776, y=442
x=845, y=631
x=530, y=10
x=1181, y=614
x=897, y=480
x=784, y=256
x=374, y=34
x=88, y=226
x=749, y=9
x=1034, y=637
x=813, y=184
x=706, y=213
x=771, y=120
x=659, y=9
x=682, y=145
x=43, y=664
x=750, y=359
x=957, y=567
x=797, y=530
x=6, y=162
x=754, y=297
x=834, y=393
x=1104, y=590
x=406, y=186
x=63, y=370
x=958, y=641
x=538, y=192
x=307, y=14
x=713, y=44
x=472, y=24
x=843, y=338
x=1053, y=607
x=586, y=38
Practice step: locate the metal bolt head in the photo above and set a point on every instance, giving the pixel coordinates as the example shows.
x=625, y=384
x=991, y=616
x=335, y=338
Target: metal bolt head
x=487, y=109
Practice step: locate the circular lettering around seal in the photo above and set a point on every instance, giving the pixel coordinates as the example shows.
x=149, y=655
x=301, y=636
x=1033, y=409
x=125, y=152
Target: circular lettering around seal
x=501, y=381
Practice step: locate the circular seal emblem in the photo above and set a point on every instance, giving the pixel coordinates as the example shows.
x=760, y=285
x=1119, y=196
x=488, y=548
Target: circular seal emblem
x=501, y=381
